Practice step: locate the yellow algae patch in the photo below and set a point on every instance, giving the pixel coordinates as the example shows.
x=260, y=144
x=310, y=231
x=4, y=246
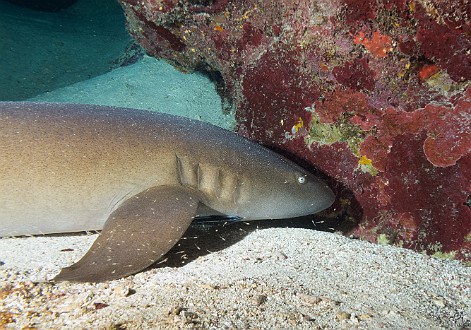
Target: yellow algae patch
x=366, y=165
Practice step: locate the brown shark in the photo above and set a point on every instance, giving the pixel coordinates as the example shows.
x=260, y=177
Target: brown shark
x=139, y=176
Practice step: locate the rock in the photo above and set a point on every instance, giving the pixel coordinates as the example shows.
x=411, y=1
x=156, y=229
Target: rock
x=261, y=299
x=374, y=94
x=309, y=300
x=342, y=316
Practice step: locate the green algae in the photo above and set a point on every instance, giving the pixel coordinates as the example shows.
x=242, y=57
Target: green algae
x=341, y=131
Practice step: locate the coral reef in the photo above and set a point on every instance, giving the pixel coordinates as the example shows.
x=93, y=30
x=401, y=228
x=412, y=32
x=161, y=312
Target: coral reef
x=375, y=94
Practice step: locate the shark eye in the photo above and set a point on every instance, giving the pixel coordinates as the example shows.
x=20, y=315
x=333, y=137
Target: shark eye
x=301, y=179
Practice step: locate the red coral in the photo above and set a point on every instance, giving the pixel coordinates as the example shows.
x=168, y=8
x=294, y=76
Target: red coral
x=413, y=181
x=379, y=45
x=449, y=135
x=276, y=95
x=251, y=36
x=359, y=10
x=276, y=30
x=410, y=183
x=427, y=71
x=339, y=102
x=222, y=46
x=216, y=6
x=400, y=5
x=356, y=74
x=448, y=47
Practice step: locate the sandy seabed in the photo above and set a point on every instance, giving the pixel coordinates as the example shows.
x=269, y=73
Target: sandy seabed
x=236, y=278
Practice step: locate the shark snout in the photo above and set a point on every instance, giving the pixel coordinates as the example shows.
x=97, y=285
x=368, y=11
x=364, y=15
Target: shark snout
x=322, y=197
x=326, y=197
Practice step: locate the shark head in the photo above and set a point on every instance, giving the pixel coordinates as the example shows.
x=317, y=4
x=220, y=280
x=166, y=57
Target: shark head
x=280, y=189
x=264, y=185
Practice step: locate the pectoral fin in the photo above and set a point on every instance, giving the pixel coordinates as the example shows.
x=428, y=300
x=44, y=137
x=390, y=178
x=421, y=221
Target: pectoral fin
x=137, y=234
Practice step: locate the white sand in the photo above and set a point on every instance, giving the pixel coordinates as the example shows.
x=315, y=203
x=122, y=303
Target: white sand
x=280, y=278
x=149, y=84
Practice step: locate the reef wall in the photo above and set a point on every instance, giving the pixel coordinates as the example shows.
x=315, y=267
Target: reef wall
x=375, y=94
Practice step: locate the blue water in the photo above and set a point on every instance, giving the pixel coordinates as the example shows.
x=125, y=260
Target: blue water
x=42, y=51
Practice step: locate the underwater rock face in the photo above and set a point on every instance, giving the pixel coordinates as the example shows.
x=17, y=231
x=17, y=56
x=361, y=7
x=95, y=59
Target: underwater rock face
x=375, y=94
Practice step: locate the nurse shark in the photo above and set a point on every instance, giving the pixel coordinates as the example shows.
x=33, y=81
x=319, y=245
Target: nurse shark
x=140, y=177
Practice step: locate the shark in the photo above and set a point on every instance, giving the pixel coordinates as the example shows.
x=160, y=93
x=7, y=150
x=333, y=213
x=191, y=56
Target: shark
x=140, y=177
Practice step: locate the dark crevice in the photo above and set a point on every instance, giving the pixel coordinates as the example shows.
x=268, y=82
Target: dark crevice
x=468, y=201
x=216, y=78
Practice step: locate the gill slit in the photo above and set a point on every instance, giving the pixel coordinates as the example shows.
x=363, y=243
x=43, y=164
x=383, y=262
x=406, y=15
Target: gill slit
x=199, y=177
x=218, y=184
x=237, y=190
x=179, y=169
